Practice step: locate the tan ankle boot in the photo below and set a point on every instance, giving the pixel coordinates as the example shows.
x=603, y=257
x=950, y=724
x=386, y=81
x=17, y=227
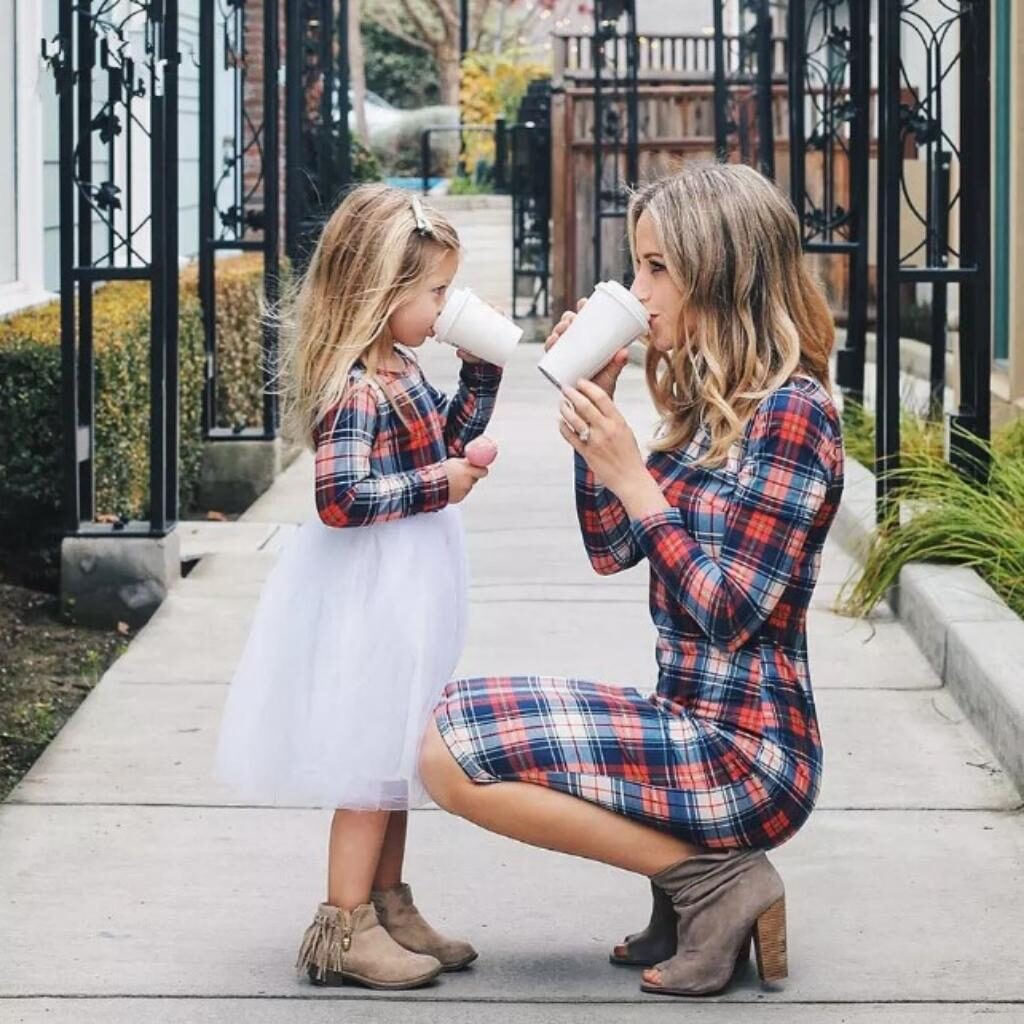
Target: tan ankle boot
x=656, y=942
x=405, y=924
x=721, y=900
x=351, y=946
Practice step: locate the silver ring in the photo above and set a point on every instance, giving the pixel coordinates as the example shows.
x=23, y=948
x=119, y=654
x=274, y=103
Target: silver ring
x=584, y=435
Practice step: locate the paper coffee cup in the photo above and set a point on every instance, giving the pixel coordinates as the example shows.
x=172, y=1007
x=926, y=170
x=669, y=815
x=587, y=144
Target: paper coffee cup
x=611, y=319
x=469, y=323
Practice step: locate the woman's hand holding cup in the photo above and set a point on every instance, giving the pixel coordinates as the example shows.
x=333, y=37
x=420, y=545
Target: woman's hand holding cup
x=606, y=378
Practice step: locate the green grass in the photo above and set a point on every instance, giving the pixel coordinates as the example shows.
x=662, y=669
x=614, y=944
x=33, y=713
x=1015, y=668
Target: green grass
x=954, y=520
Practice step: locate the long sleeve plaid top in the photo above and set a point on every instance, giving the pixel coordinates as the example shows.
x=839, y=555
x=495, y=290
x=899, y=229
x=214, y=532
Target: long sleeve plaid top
x=374, y=465
x=735, y=557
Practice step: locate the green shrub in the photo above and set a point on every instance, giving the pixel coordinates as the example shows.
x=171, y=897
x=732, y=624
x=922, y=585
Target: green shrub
x=953, y=521
x=31, y=447
x=397, y=71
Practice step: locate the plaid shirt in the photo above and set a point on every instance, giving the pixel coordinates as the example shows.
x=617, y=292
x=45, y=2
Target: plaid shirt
x=373, y=465
x=735, y=558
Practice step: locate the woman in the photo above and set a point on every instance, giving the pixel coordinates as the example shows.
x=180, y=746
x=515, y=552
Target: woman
x=691, y=785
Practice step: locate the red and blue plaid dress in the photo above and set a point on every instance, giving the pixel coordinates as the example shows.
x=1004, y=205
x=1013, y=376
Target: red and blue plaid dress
x=726, y=752
x=374, y=465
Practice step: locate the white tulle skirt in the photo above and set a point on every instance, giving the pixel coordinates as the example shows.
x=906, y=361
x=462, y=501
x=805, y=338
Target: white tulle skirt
x=356, y=633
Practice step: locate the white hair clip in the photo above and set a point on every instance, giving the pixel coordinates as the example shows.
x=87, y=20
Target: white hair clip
x=423, y=225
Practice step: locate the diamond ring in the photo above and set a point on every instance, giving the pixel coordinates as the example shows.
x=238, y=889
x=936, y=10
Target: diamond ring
x=584, y=435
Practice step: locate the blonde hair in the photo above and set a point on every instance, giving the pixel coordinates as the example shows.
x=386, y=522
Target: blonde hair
x=373, y=253
x=731, y=244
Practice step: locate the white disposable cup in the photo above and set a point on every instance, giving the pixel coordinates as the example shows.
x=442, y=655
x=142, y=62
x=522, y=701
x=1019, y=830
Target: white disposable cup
x=611, y=319
x=468, y=323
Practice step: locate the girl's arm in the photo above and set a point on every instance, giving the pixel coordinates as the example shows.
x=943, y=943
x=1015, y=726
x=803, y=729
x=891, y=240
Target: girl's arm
x=467, y=414
x=783, y=481
x=347, y=491
x=604, y=524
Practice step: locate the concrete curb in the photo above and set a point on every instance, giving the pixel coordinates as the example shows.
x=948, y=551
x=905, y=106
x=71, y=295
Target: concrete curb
x=971, y=637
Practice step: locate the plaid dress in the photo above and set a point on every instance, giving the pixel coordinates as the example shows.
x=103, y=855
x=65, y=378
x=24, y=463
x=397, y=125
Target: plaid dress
x=726, y=752
x=374, y=465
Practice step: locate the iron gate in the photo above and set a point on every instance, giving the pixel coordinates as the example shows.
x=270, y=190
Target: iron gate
x=530, y=181
x=743, y=86
x=959, y=42
x=239, y=205
x=319, y=164
x=829, y=116
x=616, y=120
x=116, y=68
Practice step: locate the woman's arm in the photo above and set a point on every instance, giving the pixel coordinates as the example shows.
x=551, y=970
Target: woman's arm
x=783, y=481
x=467, y=414
x=347, y=491
x=604, y=524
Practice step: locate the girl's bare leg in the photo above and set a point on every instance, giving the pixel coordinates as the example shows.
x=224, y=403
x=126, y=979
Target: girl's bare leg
x=392, y=854
x=546, y=818
x=353, y=855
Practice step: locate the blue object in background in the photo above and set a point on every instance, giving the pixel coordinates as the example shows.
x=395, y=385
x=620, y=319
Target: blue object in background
x=415, y=184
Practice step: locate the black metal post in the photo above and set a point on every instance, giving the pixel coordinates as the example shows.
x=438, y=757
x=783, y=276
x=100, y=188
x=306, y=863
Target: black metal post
x=723, y=127
x=271, y=209
x=500, y=155
x=938, y=245
x=973, y=420
x=890, y=159
x=850, y=359
x=207, y=205
x=64, y=69
x=765, y=123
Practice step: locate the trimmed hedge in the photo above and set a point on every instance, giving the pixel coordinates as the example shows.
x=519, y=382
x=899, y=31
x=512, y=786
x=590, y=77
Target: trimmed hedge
x=30, y=390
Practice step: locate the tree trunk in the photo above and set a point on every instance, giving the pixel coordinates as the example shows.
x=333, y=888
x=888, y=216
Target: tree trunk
x=357, y=68
x=447, y=57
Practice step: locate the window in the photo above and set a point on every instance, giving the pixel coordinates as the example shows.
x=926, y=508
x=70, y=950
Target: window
x=23, y=81
x=8, y=144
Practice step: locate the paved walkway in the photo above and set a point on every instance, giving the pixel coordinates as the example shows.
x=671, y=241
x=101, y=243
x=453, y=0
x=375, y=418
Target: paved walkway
x=135, y=890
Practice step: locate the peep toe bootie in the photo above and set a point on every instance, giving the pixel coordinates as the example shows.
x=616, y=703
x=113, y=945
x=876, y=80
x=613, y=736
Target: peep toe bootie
x=407, y=926
x=656, y=942
x=722, y=900
x=342, y=946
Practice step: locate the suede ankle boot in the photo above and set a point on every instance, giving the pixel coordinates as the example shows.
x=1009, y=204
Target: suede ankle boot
x=656, y=942
x=351, y=946
x=721, y=900
x=405, y=924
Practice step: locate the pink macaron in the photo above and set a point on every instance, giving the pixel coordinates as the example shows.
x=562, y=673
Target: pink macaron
x=481, y=452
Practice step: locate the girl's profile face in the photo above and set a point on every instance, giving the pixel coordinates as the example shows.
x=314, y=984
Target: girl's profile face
x=413, y=322
x=655, y=288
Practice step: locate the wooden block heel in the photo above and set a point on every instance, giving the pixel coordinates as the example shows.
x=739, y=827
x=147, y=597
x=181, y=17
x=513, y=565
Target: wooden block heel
x=770, y=943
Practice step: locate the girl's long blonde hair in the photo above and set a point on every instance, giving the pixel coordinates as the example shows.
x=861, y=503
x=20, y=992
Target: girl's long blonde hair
x=731, y=243
x=373, y=253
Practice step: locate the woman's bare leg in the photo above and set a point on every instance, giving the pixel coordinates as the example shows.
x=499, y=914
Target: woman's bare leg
x=546, y=818
x=392, y=854
x=353, y=856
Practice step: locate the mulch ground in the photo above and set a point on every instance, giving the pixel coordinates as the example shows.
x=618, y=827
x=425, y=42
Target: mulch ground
x=48, y=665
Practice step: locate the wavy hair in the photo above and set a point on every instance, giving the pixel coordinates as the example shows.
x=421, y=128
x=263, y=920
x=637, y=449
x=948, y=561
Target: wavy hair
x=373, y=253
x=731, y=243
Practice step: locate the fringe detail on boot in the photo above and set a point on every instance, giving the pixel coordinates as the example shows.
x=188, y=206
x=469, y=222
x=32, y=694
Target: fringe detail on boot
x=323, y=946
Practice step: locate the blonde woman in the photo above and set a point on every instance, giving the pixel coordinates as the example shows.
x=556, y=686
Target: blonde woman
x=690, y=785
x=361, y=623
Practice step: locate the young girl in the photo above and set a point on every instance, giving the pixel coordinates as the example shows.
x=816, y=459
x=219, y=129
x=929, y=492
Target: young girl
x=361, y=623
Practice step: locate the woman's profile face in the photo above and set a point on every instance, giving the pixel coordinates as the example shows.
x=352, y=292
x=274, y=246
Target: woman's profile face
x=655, y=288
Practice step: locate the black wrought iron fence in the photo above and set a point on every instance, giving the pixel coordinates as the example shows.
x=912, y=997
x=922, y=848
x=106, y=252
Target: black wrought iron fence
x=239, y=199
x=116, y=70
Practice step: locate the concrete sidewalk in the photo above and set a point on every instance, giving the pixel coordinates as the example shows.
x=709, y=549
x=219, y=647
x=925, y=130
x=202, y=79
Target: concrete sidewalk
x=136, y=890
